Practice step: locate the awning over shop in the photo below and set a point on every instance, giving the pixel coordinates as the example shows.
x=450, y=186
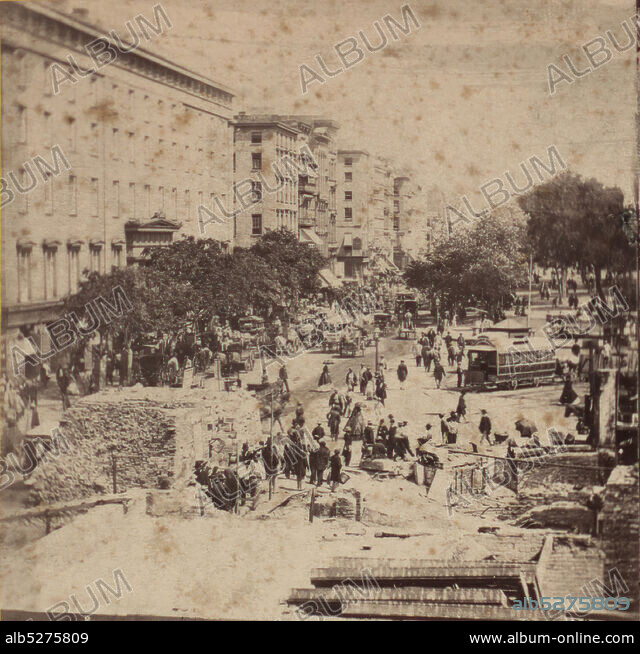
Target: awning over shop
x=382, y=264
x=347, y=241
x=309, y=236
x=328, y=279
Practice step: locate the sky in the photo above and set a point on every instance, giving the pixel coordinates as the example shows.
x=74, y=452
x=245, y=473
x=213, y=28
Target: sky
x=460, y=100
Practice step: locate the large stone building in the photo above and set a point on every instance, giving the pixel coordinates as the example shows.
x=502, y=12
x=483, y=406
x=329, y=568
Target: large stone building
x=136, y=147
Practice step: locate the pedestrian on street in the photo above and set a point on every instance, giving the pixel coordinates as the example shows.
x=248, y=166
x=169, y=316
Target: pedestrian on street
x=417, y=353
x=284, y=377
x=322, y=461
x=485, y=427
x=402, y=372
x=318, y=432
x=368, y=435
x=336, y=470
x=363, y=378
x=444, y=429
x=459, y=373
x=325, y=377
x=382, y=431
x=427, y=357
x=64, y=380
x=333, y=420
x=381, y=390
x=351, y=380
x=300, y=465
x=438, y=373
x=391, y=437
x=355, y=423
x=461, y=409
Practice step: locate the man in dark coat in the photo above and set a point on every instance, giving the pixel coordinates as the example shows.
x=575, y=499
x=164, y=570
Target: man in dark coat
x=322, y=461
x=318, y=432
x=391, y=437
x=368, y=434
x=485, y=427
x=461, y=409
x=284, y=378
x=382, y=432
x=402, y=372
x=336, y=470
x=401, y=444
x=333, y=419
x=426, y=357
x=271, y=463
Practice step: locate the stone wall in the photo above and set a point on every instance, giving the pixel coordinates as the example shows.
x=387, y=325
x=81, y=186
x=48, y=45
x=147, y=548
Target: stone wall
x=619, y=525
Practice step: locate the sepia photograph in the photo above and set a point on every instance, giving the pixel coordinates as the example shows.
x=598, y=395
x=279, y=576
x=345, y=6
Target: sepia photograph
x=320, y=312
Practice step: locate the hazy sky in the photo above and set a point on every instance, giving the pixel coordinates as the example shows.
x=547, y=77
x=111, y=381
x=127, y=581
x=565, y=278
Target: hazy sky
x=461, y=100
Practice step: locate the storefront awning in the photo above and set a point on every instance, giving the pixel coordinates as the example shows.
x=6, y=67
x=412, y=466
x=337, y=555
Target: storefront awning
x=310, y=236
x=328, y=279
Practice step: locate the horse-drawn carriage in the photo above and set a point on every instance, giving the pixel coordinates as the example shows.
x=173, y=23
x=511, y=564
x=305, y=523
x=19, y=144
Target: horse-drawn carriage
x=352, y=347
x=331, y=342
x=407, y=333
x=239, y=356
x=383, y=321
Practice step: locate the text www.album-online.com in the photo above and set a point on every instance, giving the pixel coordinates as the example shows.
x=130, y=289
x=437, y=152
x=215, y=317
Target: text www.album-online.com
x=542, y=639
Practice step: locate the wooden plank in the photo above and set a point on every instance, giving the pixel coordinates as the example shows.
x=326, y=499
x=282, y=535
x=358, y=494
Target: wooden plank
x=488, y=596
x=419, y=611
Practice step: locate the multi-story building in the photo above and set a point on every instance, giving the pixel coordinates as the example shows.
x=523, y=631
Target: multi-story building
x=382, y=236
x=290, y=163
x=265, y=176
x=349, y=244
x=317, y=184
x=364, y=222
x=137, y=146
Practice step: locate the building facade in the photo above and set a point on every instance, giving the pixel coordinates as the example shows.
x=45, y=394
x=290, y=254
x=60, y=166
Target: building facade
x=133, y=148
x=284, y=171
x=265, y=176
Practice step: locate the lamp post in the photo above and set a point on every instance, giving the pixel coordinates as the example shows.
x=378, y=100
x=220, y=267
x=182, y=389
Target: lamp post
x=376, y=338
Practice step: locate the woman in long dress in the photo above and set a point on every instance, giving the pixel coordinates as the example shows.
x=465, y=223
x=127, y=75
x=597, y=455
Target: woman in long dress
x=356, y=422
x=325, y=377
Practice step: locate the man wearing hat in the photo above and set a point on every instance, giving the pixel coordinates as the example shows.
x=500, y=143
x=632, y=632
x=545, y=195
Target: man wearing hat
x=368, y=435
x=391, y=437
x=402, y=372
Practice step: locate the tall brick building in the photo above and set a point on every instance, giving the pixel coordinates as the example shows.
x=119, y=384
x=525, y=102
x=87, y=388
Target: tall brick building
x=133, y=147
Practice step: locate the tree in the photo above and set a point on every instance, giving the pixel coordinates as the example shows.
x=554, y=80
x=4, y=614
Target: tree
x=296, y=264
x=479, y=266
x=577, y=222
x=156, y=302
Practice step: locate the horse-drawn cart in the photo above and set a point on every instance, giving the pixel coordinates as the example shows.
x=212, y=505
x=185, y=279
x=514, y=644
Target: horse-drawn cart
x=238, y=357
x=352, y=347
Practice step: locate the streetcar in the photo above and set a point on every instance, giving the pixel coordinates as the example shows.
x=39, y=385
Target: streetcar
x=495, y=361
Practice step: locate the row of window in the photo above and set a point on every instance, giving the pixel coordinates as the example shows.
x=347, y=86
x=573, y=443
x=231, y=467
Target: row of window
x=141, y=201
x=52, y=286
x=120, y=144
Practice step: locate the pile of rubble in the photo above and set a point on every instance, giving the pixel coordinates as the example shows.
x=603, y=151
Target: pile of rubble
x=132, y=441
